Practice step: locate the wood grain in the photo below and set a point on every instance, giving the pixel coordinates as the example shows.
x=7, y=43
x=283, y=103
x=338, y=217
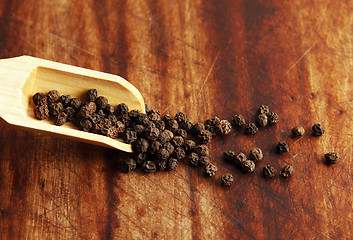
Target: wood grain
x=205, y=58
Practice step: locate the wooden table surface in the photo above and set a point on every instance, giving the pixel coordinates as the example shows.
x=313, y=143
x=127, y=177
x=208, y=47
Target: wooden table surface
x=205, y=58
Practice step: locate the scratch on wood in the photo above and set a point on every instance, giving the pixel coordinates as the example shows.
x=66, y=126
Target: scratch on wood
x=300, y=58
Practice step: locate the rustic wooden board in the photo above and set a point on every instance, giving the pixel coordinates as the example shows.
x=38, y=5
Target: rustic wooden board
x=205, y=58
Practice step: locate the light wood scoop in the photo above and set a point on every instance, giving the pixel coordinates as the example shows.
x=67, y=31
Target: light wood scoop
x=22, y=77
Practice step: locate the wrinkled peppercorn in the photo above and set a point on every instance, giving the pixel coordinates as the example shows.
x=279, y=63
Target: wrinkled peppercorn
x=121, y=109
x=140, y=145
x=129, y=165
x=172, y=164
x=40, y=99
x=109, y=109
x=101, y=102
x=75, y=103
x=149, y=167
x=140, y=130
x=60, y=119
x=41, y=112
x=318, y=129
x=202, y=150
x=163, y=154
x=141, y=158
x=251, y=128
x=65, y=100
x=211, y=125
x=197, y=128
x=210, y=170
x=165, y=136
x=180, y=117
x=187, y=125
x=142, y=119
x=112, y=132
x=263, y=109
x=179, y=153
x=126, y=120
x=112, y=118
x=238, y=120
x=147, y=108
x=92, y=95
x=224, y=127
x=248, y=166
x=287, y=171
x=154, y=115
x=155, y=146
x=161, y=165
x=261, y=119
x=298, y=131
x=85, y=124
x=169, y=147
x=166, y=118
x=152, y=133
x=87, y=110
x=172, y=125
x=272, y=118
x=133, y=114
x=282, y=147
x=181, y=132
x=227, y=179
x=204, y=136
x=256, y=154
x=204, y=160
x=193, y=159
x=129, y=136
x=53, y=96
x=229, y=156
x=239, y=159
x=332, y=157
x=177, y=141
x=268, y=171
x=189, y=145
x=56, y=108
x=120, y=127
x=71, y=113
x=160, y=125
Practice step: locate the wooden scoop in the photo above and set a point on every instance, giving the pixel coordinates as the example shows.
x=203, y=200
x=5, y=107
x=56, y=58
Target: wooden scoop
x=22, y=77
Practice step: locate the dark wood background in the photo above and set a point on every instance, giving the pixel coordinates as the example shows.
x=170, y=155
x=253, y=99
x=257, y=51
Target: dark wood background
x=205, y=58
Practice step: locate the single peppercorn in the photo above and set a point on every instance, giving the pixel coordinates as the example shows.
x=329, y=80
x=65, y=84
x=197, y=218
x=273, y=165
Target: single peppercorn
x=197, y=128
x=268, y=171
x=180, y=117
x=155, y=146
x=56, y=108
x=101, y=102
x=40, y=99
x=251, y=128
x=142, y=119
x=172, y=164
x=262, y=120
x=177, y=141
x=204, y=160
x=181, y=132
x=227, y=179
x=187, y=125
x=256, y=154
x=129, y=165
x=141, y=158
x=263, y=109
x=60, y=119
x=109, y=109
x=210, y=170
x=332, y=157
x=129, y=136
x=224, y=127
x=75, y=103
x=162, y=154
x=193, y=159
x=318, y=129
x=121, y=109
x=238, y=120
x=126, y=120
x=133, y=114
x=147, y=108
x=228, y=156
x=112, y=132
x=189, y=145
x=160, y=125
x=287, y=171
x=85, y=124
x=71, y=113
x=282, y=147
x=169, y=147
x=152, y=133
x=53, y=96
x=179, y=153
x=165, y=136
x=272, y=118
x=202, y=150
x=140, y=145
x=172, y=125
x=154, y=115
x=120, y=127
x=140, y=130
x=239, y=159
x=112, y=118
x=161, y=165
x=248, y=166
x=204, y=136
x=166, y=118
x=298, y=131
x=92, y=95
x=87, y=110
x=149, y=167
x=41, y=112
x=65, y=100
x=211, y=125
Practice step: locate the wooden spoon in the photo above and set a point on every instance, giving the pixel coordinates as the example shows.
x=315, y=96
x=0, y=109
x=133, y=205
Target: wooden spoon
x=22, y=77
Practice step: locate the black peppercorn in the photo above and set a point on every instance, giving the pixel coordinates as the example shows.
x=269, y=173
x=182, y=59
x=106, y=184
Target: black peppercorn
x=85, y=124
x=256, y=154
x=282, y=147
x=101, y=102
x=238, y=120
x=112, y=132
x=251, y=128
x=224, y=127
x=133, y=114
x=318, y=129
x=147, y=108
x=140, y=145
x=152, y=133
x=71, y=113
x=40, y=99
x=197, y=128
x=180, y=117
x=65, y=100
x=166, y=118
x=332, y=157
x=160, y=125
x=239, y=159
x=261, y=119
x=268, y=171
x=140, y=130
x=210, y=170
x=181, y=132
x=298, y=131
x=263, y=109
x=287, y=171
x=155, y=146
x=204, y=160
x=172, y=125
x=272, y=118
x=126, y=120
x=169, y=147
x=141, y=158
x=92, y=95
x=129, y=165
x=75, y=103
x=53, y=96
x=121, y=109
x=227, y=179
x=193, y=159
x=165, y=136
x=60, y=119
x=211, y=125
x=248, y=166
x=229, y=156
x=172, y=164
x=120, y=127
x=202, y=150
x=87, y=110
x=109, y=109
x=163, y=154
x=179, y=153
x=204, y=136
x=129, y=136
x=56, y=108
x=112, y=118
x=154, y=115
x=187, y=125
x=149, y=167
x=161, y=165
x=177, y=141
x=189, y=145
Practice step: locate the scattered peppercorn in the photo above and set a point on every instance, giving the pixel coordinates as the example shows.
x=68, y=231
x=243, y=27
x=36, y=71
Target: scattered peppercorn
x=204, y=136
x=129, y=165
x=180, y=117
x=272, y=118
x=56, y=108
x=197, y=128
x=172, y=164
x=298, y=131
x=238, y=120
x=152, y=133
x=165, y=136
x=193, y=159
x=189, y=145
x=162, y=154
x=224, y=127
x=282, y=147
x=149, y=167
x=109, y=109
x=160, y=125
x=210, y=125
x=210, y=170
x=75, y=103
x=332, y=157
x=166, y=118
x=161, y=165
x=71, y=113
x=239, y=159
x=140, y=158
x=251, y=128
x=287, y=171
x=202, y=150
x=154, y=115
x=248, y=166
x=129, y=136
x=87, y=110
x=256, y=154
x=229, y=156
x=204, y=160
x=318, y=129
x=181, y=132
x=177, y=141
x=268, y=171
x=179, y=153
x=227, y=179
x=169, y=147
x=187, y=125
x=85, y=124
x=155, y=146
x=262, y=120
x=263, y=109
